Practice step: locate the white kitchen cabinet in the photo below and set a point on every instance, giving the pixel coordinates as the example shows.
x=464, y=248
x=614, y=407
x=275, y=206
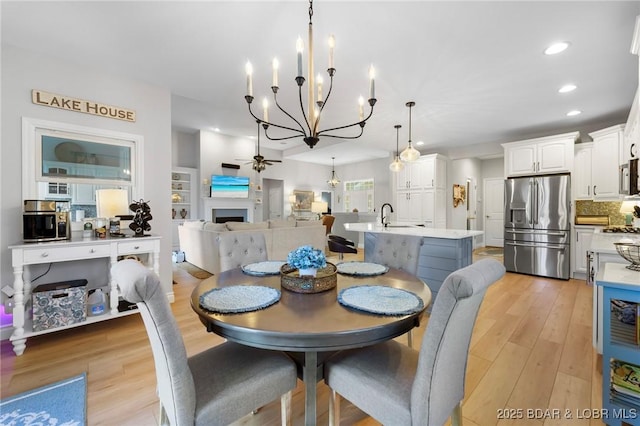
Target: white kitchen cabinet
x=434, y=172
x=581, y=177
x=412, y=175
x=409, y=206
x=606, y=161
x=552, y=154
x=630, y=147
x=421, y=198
x=434, y=208
x=582, y=243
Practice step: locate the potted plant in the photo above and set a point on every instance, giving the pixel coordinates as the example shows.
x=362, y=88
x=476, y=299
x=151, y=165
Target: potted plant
x=307, y=260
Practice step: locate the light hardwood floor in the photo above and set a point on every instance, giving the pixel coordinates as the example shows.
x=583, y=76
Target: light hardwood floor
x=531, y=350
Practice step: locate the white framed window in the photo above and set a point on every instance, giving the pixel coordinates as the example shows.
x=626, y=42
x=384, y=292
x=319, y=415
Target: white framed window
x=358, y=194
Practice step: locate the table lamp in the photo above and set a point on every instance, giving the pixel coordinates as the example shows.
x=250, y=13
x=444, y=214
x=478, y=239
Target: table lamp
x=112, y=202
x=319, y=207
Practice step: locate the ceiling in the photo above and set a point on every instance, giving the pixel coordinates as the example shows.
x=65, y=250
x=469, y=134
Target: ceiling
x=476, y=70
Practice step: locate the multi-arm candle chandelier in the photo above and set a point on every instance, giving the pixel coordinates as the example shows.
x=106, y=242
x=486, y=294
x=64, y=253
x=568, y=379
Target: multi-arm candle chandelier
x=309, y=127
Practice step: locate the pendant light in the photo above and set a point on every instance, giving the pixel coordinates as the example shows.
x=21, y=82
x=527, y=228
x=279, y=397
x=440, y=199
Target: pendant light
x=334, y=181
x=410, y=153
x=397, y=165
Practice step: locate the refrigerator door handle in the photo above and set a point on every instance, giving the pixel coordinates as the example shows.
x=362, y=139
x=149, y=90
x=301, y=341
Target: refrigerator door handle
x=531, y=195
x=555, y=247
x=537, y=232
x=536, y=201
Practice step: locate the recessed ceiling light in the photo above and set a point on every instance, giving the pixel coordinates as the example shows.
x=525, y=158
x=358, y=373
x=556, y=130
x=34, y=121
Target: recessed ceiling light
x=567, y=88
x=556, y=48
x=574, y=112
x=420, y=143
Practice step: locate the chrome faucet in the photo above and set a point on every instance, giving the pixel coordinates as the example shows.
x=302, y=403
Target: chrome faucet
x=383, y=218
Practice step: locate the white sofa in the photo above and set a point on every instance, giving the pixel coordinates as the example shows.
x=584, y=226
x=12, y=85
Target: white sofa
x=198, y=239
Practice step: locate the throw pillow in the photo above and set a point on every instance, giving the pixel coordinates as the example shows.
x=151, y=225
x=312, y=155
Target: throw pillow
x=246, y=226
x=283, y=223
x=215, y=227
x=198, y=224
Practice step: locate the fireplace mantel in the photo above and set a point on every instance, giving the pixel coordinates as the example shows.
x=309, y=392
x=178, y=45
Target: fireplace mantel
x=227, y=203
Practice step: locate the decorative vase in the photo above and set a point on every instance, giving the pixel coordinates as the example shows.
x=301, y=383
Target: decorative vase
x=183, y=213
x=173, y=213
x=309, y=272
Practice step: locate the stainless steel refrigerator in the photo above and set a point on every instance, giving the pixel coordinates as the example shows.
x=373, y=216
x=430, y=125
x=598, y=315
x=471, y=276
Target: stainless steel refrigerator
x=537, y=225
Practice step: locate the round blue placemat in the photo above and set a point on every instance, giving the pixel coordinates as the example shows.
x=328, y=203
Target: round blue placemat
x=379, y=299
x=361, y=269
x=239, y=298
x=261, y=269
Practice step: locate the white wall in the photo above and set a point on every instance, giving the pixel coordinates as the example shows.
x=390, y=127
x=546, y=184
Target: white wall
x=185, y=149
x=23, y=71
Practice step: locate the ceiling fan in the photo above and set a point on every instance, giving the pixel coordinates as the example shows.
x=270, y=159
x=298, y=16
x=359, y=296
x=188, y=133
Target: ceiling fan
x=259, y=163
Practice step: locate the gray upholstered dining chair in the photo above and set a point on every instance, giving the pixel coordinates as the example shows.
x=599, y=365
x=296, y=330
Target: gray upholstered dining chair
x=215, y=387
x=240, y=248
x=399, y=385
x=394, y=251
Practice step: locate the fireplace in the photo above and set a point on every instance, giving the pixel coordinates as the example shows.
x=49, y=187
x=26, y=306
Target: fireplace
x=230, y=219
x=228, y=215
x=225, y=207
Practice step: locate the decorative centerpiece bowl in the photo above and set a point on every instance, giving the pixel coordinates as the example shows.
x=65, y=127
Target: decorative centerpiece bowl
x=631, y=252
x=307, y=271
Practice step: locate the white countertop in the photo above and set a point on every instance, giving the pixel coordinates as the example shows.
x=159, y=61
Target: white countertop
x=410, y=229
x=617, y=273
x=602, y=242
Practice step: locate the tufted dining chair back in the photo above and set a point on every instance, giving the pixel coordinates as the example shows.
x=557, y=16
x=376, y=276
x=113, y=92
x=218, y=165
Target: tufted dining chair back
x=215, y=387
x=240, y=248
x=399, y=385
x=393, y=250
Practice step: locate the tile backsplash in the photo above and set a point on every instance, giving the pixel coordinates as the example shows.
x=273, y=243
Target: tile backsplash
x=609, y=208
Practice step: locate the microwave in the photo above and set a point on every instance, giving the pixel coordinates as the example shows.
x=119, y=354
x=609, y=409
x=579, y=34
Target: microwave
x=629, y=178
x=45, y=220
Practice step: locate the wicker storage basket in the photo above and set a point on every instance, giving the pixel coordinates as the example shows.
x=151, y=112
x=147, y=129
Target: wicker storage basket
x=325, y=279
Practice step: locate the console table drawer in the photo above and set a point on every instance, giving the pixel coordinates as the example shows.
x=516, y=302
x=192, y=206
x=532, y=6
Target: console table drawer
x=136, y=247
x=45, y=255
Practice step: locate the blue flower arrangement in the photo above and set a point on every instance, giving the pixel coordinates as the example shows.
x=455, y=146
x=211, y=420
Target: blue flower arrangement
x=306, y=257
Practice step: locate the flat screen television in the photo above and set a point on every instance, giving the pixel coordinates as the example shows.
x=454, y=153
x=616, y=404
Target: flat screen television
x=229, y=186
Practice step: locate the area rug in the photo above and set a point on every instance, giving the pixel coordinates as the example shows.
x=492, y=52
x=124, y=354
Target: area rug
x=62, y=403
x=194, y=270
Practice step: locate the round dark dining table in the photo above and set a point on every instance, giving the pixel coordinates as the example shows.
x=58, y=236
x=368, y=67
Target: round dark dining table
x=309, y=327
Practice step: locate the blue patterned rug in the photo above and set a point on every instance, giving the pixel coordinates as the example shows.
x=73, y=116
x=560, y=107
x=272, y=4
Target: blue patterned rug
x=62, y=403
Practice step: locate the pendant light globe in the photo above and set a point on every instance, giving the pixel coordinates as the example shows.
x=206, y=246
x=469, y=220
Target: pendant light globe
x=397, y=165
x=410, y=153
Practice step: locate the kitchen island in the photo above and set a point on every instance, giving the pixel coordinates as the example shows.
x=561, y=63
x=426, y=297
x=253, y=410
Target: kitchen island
x=443, y=250
x=602, y=250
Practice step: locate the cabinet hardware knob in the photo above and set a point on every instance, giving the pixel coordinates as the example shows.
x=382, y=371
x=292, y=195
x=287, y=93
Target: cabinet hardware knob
x=92, y=251
x=136, y=247
x=45, y=254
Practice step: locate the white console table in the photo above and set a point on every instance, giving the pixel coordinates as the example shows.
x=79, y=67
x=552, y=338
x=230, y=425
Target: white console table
x=77, y=249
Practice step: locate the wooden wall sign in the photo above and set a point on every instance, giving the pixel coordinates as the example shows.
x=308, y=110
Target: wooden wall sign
x=88, y=107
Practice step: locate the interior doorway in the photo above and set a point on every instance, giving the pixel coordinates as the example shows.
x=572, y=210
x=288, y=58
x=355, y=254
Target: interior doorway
x=273, y=204
x=494, y=212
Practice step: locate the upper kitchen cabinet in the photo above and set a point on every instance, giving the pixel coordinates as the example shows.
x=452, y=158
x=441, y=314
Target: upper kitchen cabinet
x=581, y=177
x=551, y=154
x=434, y=174
x=411, y=176
x=605, y=163
x=630, y=147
